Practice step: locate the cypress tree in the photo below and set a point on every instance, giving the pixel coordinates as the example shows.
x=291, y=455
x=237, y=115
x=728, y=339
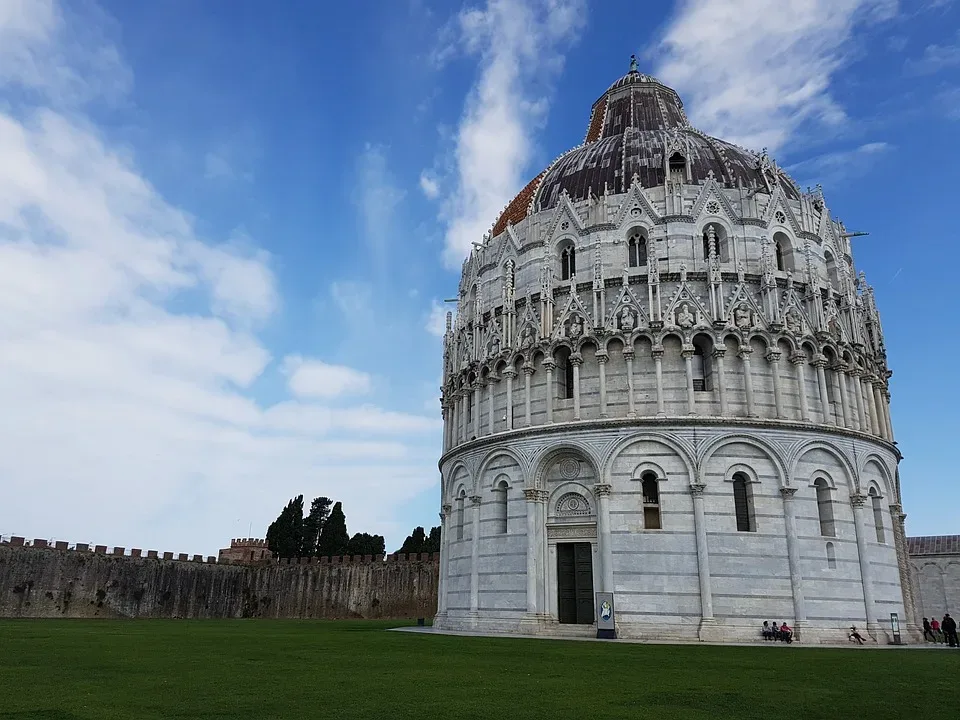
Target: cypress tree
x=334, y=538
x=285, y=534
x=313, y=525
x=414, y=542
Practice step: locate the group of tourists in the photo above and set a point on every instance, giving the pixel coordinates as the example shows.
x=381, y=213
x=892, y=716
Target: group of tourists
x=774, y=632
x=941, y=632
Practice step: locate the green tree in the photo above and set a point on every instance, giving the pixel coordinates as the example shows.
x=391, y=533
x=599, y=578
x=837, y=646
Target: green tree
x=313, y=525
x=432, y=544
x=414, y=542
x=334, y=538
x=366, y=544
x=285, y=534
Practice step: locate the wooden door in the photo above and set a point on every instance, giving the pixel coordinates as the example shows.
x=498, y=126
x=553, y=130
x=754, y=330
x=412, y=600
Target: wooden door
x=575, y=583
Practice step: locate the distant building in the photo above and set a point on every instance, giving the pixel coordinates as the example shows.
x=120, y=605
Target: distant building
x=246, y=551
x=935, y=566
x=667, y=380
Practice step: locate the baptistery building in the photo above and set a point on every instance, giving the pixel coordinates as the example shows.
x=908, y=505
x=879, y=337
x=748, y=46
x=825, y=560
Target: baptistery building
x=666, y=380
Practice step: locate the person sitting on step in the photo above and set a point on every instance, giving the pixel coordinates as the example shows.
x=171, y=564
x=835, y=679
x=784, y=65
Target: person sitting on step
x=855, y=636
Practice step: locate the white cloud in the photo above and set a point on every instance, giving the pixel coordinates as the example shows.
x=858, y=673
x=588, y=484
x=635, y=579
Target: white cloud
x=949, y=100
x=352, y=298
x=831, y=168
x=314, y=378
x=377, y=198
x=519, y=45
x=437, y=319
x=130, y=366
x=429, y=185
x=934, y=59
x=753, y=71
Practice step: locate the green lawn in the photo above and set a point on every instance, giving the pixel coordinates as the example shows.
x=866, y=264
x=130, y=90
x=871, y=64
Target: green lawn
x=258, y=669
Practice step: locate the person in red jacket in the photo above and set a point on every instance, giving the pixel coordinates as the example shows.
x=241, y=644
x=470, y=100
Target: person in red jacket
x=935, y=626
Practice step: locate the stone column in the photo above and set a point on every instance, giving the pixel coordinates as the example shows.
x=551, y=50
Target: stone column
x=718, y=354
x=491, y=382
x=687, y=355
x=914, y=632
x=631, y=403
x=444, y=559
x=658, y=363
x=475, y=555
x=707, y=621
x=773, y=357
x=577, y=361
x=477, y=410
x=744, y=355
x=799, y=361
x=527, y=374
x=878, y=401
x=462, y=410
x=858, y=500
x=602, y=358
x=445, y=415
x=886, y=413
x=533, y=533
x=793, y=555
x=871, y=405
x=857, y=387
x=602, y=493
x=820, y=362
x=508, y=374
x=856, y=409
x=549, y=366
x=840, y=373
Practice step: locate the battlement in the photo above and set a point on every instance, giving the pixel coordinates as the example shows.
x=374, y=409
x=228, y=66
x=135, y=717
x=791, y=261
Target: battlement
x=248, y=543
x=242, y=551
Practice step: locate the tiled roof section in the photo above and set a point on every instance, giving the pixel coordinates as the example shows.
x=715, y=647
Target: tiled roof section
x=648, y=107
x=517, y=209
x=596, y=120
x=934, y=545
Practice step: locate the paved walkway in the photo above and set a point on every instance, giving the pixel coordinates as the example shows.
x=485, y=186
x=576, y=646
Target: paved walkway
x=427, y=630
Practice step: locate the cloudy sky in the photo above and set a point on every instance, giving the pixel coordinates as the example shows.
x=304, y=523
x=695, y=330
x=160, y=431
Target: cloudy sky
x=226, y=231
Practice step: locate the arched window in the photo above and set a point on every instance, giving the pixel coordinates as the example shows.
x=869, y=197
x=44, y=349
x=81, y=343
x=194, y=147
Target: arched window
x=636, y=250
x=831, y=264
x=719, y=238
x=500, y=504
x=825, y=508
x=743, y=503
x=678, y=168
x=831, y=556
x=877, y=514
x=778, y=249
x=701, y=365
x=568, y=262
x=461, y=500
x=651, y=501
x=564, y=374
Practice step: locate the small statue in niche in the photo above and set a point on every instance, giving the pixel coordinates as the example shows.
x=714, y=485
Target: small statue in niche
x=495, y=345
x=576, y=327
x=628, y=321
x=833, y=327
x=685, y=318
x=526, y=338
x=742, y=317
x=794, y=322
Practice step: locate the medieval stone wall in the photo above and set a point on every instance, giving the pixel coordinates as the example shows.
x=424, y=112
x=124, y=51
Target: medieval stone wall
x=44, y=582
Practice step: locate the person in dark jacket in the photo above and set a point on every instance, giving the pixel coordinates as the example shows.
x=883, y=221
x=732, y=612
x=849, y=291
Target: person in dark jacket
x=927, y=632
x=949, y=627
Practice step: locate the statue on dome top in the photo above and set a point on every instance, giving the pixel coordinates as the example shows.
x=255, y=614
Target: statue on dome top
x=634, y=66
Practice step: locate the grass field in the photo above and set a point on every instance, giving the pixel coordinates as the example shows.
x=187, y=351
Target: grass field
x=258, y=669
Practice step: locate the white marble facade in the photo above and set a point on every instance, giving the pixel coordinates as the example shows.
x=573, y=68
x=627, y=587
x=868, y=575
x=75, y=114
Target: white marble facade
x=705, y=339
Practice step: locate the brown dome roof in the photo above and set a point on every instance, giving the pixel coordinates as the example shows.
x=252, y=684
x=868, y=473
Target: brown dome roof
x=631, y=126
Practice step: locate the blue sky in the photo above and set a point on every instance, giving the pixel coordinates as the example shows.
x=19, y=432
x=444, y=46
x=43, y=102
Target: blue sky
x=226, y=231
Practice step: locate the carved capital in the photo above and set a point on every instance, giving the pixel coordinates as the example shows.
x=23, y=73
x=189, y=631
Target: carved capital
x=509, y=371
x=576, y=359
x=744, y=353
x=602, y=358
x=788, y=492
x=772, y=356
x=657, y=352
x=798, y=358
x=718, y=353
x=696, y=489
x=602, y=489
x=820, y=361
x=628, y=354
x=476, y=499
x=535, y=495
x=549, y=365
x=687, y=352
x=527, y=369
x=858, y=500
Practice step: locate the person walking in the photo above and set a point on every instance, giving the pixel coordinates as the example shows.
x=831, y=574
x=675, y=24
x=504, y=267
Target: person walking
x=935, y=627
x=927, y=631
x=949, y=626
